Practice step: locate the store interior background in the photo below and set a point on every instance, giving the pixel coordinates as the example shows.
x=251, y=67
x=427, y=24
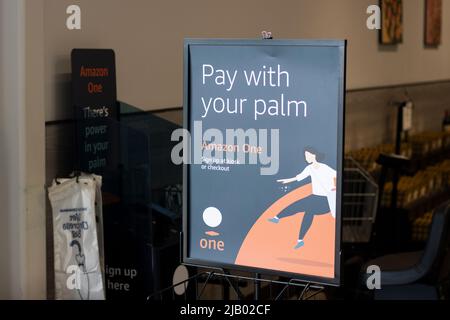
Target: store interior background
x=147, y=37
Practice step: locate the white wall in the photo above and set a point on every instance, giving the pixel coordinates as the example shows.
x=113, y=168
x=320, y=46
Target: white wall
x=148, y=39
x=22, y=141
x=11, y=141
x=34, y=153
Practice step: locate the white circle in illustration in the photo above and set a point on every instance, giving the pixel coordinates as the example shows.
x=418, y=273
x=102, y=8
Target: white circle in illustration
x=212, y=217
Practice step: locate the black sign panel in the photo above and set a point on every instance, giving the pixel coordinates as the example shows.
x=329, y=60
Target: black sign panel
x=94, y=98
x=263, y=190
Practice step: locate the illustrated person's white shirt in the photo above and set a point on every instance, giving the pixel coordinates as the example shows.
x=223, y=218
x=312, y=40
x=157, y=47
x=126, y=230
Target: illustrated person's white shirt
x=323, y=182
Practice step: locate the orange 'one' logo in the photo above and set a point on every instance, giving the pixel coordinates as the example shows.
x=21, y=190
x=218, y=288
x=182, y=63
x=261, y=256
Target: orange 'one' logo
x=212, y=217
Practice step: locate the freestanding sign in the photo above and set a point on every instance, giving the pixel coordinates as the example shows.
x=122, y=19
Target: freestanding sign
x=263, y=183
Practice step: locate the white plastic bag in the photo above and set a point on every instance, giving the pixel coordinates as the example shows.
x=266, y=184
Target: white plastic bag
x=78, y=271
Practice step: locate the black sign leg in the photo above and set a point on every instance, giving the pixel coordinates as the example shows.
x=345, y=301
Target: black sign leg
x=257, y=287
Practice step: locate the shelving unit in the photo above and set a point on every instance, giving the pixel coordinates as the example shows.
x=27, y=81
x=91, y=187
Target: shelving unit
x=423, y=185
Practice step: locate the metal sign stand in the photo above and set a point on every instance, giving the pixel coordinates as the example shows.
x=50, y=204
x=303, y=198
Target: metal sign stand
x=207, y=276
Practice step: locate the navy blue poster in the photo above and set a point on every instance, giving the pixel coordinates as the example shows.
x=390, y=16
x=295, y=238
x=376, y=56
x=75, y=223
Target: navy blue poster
x=264, y=175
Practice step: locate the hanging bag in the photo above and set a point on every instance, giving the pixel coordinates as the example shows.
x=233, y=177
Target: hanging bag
x=78, y=271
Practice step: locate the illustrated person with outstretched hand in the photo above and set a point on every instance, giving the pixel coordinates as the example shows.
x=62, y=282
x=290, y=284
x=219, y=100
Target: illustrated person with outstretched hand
x=322, y=199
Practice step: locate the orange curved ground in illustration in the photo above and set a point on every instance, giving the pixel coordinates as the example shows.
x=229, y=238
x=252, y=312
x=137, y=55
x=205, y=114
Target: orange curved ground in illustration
x=271, y=246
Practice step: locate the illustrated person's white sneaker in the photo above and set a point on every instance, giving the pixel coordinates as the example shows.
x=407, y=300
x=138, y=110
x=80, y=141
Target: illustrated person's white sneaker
x=274, y=220
x=300, y=243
